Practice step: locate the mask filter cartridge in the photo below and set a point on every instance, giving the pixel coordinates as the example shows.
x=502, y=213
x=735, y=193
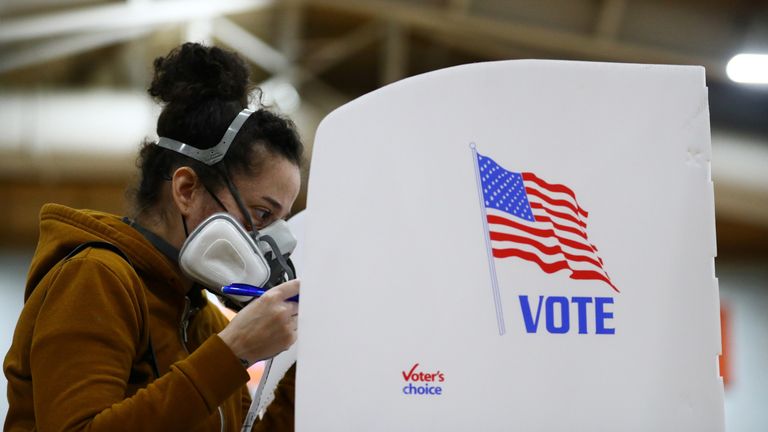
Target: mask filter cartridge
x=221, y=252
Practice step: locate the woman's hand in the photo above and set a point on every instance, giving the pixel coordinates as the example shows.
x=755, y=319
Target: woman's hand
x=266, y=326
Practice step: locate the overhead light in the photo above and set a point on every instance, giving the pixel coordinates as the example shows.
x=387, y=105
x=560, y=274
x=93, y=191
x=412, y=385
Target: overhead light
x=748, y=68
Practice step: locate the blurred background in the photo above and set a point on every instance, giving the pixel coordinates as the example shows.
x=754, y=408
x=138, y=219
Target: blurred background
x=73, y=105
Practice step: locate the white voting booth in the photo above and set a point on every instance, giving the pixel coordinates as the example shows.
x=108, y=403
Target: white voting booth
x=519, y=245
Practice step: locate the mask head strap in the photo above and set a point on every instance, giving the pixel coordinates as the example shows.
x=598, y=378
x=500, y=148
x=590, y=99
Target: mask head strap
x=215, y=154
x=238, y=201
x=240, y=204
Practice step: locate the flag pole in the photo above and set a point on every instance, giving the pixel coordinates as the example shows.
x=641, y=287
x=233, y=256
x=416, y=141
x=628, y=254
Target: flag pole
x=487, y=236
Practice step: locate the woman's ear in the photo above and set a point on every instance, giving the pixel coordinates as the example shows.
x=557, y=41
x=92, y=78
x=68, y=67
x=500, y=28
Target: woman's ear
x=185, y=188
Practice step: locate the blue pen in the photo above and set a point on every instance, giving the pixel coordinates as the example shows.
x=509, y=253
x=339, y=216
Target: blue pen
x=249, y=290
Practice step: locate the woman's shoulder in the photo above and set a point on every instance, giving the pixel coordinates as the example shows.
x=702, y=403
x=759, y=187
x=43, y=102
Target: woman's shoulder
x=82, y=293
x=90, y=273
x=101, y=261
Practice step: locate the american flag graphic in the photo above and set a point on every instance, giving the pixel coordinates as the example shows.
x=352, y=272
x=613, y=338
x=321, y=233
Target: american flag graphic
x=537, y=221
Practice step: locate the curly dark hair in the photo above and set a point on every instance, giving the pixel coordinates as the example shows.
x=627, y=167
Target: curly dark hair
x=202, y=89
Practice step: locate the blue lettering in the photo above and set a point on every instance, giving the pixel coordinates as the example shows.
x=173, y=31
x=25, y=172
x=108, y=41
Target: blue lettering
x=601, y=315
x=581, y=303
x=559, y=321
x=565, y=320
x=425, y=389
x=530, y=324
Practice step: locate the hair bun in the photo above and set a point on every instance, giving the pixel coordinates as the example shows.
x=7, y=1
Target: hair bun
x=193, y=72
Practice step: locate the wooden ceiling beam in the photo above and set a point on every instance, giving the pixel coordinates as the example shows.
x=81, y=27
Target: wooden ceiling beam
x=572, y=44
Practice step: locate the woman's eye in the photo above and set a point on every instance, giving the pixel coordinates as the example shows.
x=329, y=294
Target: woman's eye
x=262, y=215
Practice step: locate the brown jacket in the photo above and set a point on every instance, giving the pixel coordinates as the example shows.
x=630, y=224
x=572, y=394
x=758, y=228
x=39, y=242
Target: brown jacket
x=80, y=355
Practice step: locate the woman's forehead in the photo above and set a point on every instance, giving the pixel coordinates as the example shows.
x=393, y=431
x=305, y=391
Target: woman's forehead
x=276, y=183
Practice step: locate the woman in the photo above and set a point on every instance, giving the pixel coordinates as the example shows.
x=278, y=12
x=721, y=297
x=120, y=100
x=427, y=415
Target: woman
x=116, y=337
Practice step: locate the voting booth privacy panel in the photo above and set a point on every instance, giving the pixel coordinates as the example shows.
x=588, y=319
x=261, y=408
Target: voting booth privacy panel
x=519, y=245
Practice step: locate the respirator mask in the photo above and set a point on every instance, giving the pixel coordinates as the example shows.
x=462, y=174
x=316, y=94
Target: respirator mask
x=220, y=251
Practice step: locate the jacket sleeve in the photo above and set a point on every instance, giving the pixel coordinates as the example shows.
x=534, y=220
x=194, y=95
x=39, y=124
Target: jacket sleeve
x=88, y=332
x=279, y=416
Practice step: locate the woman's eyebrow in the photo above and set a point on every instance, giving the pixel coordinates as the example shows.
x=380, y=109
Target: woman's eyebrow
x=274, y=203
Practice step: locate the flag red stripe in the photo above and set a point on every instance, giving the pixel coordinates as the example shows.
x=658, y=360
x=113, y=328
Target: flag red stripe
x=494, y=219
x=582, y=234
x=552, y=267
x=561, y=215
x=590, y=275
x=574, y=244
x=530, y=256
x=555, y=202
x=570, y=229
x=554, y=188
x=548, y=250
